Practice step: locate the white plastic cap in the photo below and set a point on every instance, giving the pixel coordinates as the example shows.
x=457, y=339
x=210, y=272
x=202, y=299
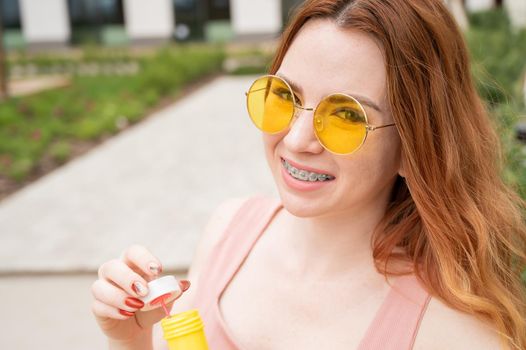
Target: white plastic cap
x=165, y=286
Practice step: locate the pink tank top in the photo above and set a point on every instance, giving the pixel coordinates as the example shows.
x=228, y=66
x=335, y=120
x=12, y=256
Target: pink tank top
x=394, y=326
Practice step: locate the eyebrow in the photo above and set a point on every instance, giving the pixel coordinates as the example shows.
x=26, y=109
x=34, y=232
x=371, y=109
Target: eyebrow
x=362, y=99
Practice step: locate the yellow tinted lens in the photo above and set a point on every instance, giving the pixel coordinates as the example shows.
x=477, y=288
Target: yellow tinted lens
x=270, y=104
x=340, y=124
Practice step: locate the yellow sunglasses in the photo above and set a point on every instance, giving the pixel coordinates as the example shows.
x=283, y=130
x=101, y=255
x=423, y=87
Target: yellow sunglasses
x=340, y=121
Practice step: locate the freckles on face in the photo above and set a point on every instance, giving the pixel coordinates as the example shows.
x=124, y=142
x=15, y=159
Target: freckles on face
x=375, y=164
x=324, y=59
x=270, y=142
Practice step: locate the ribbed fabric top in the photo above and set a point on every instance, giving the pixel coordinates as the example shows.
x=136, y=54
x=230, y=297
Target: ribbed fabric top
x=394, y=326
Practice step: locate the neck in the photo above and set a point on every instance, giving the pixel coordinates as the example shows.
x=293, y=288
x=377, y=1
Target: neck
x=332, y=245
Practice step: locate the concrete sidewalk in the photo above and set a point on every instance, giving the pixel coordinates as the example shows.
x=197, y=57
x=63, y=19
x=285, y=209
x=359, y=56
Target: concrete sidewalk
x=155, y=184
x=49, y=312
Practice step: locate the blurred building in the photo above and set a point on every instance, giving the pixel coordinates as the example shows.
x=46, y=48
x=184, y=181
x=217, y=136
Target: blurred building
x=480, y=5
x=59, y=23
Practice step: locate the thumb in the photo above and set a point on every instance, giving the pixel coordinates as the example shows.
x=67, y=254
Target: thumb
x=146, y=319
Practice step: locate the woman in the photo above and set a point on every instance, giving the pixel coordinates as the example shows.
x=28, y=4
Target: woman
x=393, y=229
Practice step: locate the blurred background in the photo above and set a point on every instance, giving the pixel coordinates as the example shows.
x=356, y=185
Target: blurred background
x=123, y=121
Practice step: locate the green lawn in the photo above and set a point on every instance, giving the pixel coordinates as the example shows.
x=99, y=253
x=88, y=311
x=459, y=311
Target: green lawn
x=46, y=124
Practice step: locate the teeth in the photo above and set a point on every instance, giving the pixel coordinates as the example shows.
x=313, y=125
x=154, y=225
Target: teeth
x=305, y=175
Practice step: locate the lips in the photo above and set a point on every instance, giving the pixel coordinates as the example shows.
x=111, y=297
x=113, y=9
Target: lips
x=303, y=167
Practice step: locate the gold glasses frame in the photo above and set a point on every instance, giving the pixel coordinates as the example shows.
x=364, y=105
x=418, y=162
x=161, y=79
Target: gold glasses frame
x=368, y=127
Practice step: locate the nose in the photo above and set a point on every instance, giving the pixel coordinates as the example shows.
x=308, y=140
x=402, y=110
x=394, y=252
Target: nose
x=301, y=137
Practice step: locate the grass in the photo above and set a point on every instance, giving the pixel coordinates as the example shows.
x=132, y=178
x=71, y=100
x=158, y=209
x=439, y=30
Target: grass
x=251, y=61
x=45, y=125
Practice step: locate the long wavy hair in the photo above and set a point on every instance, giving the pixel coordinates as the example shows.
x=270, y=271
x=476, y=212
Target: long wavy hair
x=461, y=227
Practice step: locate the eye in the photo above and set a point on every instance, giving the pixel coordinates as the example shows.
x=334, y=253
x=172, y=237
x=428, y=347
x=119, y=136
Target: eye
x=283, y=94
x=349, y=114
x=298, y=100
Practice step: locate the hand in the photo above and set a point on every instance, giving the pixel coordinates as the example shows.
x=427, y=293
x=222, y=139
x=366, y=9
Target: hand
x=116, y=291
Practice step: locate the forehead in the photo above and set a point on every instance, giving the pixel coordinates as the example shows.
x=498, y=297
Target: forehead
x=324, y=58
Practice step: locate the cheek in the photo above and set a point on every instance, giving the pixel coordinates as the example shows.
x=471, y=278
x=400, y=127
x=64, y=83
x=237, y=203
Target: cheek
x=386, y=163
x=373, y=166
x=392, y=152
x=270, y=142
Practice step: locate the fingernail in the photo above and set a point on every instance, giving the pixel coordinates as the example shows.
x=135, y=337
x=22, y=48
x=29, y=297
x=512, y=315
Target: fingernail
x=125, y=313
x=154, y=268
x=186, y=284
x=139, y=288
x=134, y=302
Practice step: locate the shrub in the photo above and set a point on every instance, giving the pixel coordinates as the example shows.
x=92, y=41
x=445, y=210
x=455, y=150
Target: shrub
x=43, y=124
x=498, y=67
x=60, y=151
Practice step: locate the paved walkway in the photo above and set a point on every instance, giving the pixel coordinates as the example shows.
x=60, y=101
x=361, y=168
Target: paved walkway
x=155, y=184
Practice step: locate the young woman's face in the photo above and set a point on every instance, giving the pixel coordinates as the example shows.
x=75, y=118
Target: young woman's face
x=325, y=59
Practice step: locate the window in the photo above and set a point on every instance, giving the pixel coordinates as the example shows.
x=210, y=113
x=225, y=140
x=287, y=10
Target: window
x=95, y=12
x=184, y=4
x=10, y=12
x=219, y=9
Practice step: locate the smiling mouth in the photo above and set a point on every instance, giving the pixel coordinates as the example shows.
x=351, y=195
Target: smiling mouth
x=305, y=175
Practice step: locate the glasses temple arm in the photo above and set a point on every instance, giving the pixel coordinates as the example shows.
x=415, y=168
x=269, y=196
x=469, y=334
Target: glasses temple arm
x=372, y=127
x=246, y=93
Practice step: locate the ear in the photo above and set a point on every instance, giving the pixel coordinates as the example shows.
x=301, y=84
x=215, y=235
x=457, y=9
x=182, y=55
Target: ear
x=401, y=171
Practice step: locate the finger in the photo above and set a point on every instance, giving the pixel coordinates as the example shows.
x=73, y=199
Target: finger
x=104, y=311
x=107, y=293
x=140, y=257
x=146, y=319
x=123, y=276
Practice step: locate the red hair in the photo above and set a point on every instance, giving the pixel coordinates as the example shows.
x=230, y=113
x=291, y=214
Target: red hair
x=460, y=226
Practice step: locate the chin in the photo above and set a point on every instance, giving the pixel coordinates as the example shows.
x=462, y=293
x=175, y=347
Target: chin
x=300, y=207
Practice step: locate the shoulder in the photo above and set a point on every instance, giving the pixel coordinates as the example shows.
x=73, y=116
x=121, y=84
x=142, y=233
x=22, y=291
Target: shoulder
x=213, y=232
x=211, y=235
x=443, y=327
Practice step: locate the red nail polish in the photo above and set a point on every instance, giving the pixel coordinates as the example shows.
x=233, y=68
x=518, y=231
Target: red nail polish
x=154, y=268
x=138, y=288
x=134, y=302
x=186, y=284
x=125, y=313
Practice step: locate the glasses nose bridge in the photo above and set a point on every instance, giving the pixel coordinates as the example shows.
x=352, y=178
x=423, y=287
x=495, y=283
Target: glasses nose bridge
x=300, y=126
x=297, y=106
x=304, y=108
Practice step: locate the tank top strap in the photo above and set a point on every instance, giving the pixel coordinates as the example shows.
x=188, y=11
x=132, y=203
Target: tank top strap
x=232, y=248
x=396, y=323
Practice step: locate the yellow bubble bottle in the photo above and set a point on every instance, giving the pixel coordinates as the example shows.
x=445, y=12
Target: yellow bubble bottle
x=182, y=331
